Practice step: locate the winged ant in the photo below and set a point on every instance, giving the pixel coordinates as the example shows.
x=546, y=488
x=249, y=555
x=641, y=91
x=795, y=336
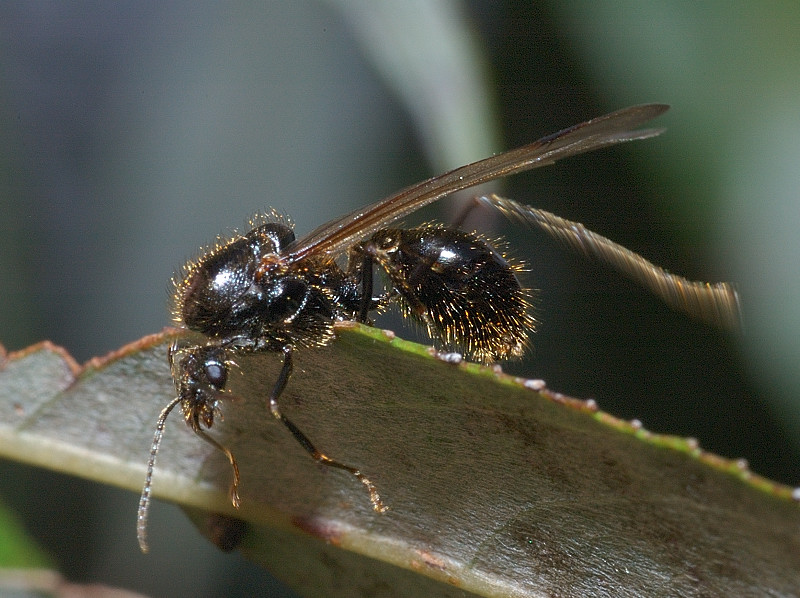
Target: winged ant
x=266, y=291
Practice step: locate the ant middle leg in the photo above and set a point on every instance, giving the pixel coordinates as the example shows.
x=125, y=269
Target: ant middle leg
x=319, y=456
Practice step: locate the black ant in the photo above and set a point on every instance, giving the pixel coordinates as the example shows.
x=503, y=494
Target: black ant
x=266, y=291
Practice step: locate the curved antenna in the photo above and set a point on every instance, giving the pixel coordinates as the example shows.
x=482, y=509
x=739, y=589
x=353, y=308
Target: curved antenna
x=716, y=304
x=144, y=501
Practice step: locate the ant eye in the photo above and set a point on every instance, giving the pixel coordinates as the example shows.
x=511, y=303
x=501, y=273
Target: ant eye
x=216, y=373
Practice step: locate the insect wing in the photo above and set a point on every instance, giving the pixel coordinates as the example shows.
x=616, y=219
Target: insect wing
x=617, y=127
x=716, y=304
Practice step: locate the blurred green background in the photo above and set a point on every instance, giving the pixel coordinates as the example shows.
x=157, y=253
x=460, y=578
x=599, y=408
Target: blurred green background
x=134, y=133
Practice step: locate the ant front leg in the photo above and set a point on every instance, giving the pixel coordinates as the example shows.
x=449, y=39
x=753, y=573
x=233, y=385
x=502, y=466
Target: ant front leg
x=320, y=457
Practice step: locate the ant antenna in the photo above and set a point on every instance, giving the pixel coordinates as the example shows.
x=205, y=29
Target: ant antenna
x=144, y=501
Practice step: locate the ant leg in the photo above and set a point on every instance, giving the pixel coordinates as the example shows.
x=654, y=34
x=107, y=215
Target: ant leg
x=234, y=490
x=485, y=219
x=465, y=212
x=320, y=457
x=367, y=302
x=366, y=288
x=402, y=283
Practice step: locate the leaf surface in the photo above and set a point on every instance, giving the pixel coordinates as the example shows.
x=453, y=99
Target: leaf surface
x=494, y=488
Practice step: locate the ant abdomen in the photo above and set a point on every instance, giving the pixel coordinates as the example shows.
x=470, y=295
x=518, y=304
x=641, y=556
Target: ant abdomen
x=458, y=286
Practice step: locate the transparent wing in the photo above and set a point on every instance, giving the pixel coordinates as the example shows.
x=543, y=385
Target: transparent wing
x=716, y=304
x=616, y=127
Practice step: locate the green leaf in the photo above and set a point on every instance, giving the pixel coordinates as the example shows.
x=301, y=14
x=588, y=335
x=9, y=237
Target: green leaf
x=494, y=488
x=17, y=551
